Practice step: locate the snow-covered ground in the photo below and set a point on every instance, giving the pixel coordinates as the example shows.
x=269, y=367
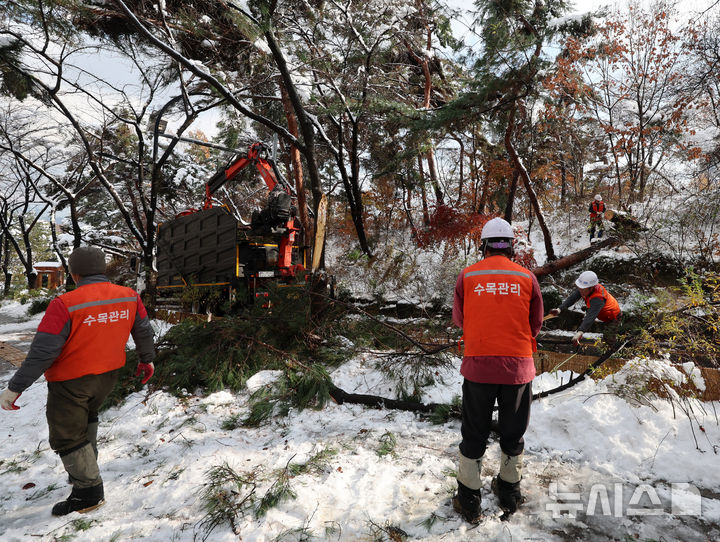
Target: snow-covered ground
x=601, y=464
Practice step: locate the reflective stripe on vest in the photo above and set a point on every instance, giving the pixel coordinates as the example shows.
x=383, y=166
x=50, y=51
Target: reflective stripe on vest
x=611, y=310
x=496, y=309
x=101, y=317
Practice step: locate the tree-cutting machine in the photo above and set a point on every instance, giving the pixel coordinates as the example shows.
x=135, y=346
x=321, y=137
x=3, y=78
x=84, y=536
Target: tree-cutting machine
x=209, y=247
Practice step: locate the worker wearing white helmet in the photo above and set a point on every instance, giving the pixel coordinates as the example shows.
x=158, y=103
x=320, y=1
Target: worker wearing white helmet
x=600, y=304
x=499, y=307
x=597, y=211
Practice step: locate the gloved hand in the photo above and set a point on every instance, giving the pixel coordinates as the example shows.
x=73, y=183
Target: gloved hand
x=554, y=311
x=146, y=370
x=576, y=338
x=7, y=400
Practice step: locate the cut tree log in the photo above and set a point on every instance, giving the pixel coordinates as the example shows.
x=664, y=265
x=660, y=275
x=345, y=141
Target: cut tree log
x=624, y=223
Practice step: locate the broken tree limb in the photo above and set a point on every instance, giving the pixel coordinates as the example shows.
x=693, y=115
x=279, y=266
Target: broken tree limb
x=592, y=367
x=375, y=401
x=577, y=257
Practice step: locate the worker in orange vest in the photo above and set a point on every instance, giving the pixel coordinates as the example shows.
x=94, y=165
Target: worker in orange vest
x=498, y=305
x=598, y=301
x=597, y=211
x=80, y=347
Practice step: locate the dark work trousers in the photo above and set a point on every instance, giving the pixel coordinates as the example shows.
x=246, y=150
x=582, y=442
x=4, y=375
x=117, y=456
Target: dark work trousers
x=596, y=225
x=513, y=416
x=611, y=330
x=72, y=405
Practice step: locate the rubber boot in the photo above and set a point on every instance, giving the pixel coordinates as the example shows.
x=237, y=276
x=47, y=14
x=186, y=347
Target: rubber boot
x=467, y=500
x=80, y=500
x=87, y=492
x=506, y=485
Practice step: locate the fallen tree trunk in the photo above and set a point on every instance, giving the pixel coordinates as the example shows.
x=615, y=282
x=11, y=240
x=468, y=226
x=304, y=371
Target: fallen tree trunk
x=577, y=257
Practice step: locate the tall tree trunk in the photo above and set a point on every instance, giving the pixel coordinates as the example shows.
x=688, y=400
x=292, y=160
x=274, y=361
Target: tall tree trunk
x=423, y=193
x=53, y=236
x=563, y=181
x=525, y=176
x=30, y=272
x=304, y=121
x=351, y=181
x=434, y=179
x=407, y=200
x=150, y=294
x=6, y=265
x=307, y=234
x=474, y=175
x=424, y=61
x=461, y=181
x=355, y=183
x=511, y=196
x=482, y=205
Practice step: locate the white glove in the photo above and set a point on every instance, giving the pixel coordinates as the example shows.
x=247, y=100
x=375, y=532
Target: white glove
x=555, y=311
x=576, y=338
x=7, y=400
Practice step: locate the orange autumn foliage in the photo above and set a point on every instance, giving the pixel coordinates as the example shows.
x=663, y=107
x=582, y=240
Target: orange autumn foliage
x=452, y=227
x=455, y=228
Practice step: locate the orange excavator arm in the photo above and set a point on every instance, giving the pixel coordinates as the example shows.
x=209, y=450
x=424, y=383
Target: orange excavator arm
x=257, y=156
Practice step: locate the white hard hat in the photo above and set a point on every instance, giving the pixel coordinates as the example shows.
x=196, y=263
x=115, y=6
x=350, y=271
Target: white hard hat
x=586, y=279
x=497, y=228
x=598, y=197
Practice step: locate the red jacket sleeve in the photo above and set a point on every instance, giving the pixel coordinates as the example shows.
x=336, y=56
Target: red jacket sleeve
x=55, y=318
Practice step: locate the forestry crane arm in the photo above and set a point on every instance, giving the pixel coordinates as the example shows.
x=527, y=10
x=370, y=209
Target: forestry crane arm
x=257, y=155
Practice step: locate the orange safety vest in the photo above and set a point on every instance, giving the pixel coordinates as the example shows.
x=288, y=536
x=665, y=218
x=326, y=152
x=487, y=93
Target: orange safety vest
x=102, y=315
x=611, y=311
x=596, y=209
x=496, y=309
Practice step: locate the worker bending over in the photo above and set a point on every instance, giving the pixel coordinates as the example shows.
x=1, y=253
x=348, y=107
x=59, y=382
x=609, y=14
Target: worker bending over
x=600, y=304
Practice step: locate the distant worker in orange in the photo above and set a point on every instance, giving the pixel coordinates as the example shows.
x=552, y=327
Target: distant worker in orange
x=600, y=304
x=499, y=307
x=597, y=210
